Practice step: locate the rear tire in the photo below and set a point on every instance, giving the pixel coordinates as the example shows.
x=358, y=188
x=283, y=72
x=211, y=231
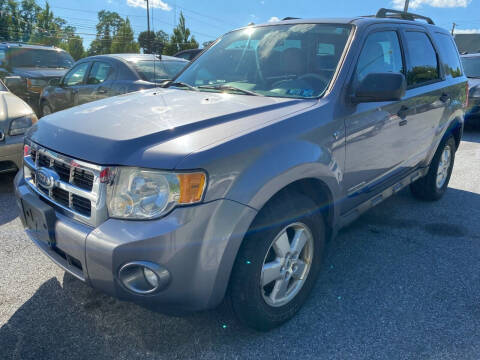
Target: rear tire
x=271, y=278
x=433, y=185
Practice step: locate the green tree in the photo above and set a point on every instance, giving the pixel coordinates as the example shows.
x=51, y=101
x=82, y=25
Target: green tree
x=181, y=39
x=28, y=15
x=75, y=47
x=123, y=41
x=152, y=42
x=28, y=22
x=10, y=21
x=109, y=23
x=145, y=41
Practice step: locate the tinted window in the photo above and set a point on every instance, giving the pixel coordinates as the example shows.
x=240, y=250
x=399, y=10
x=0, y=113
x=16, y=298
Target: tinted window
x=381, y=53
x=449, y=54
x=24, y=57
x=472, y=66
x=99, y=73
x=76, y=75
x=158, y=70
x=286, y=60
x=423, y=59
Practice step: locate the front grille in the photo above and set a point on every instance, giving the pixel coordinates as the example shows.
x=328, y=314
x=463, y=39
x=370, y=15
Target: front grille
x=76, y=188
x=81, y=178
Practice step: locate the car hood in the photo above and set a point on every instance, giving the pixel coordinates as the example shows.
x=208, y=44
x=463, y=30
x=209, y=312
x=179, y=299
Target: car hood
x=11, y=107
x=156, y=128
x=39, y=72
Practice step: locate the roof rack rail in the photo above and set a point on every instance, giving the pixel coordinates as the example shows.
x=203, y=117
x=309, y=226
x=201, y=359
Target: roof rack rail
x=397, y=14
x=290, y=18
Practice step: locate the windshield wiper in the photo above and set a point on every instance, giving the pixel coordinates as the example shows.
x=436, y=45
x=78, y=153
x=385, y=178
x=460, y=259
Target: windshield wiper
x=229, y=88
x=179, y=84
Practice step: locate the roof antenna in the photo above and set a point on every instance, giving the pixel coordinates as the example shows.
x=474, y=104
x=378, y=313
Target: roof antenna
x=153, y=50
x=405, y=9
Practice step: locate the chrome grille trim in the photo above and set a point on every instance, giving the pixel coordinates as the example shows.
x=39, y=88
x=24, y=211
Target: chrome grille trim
x=96, y=196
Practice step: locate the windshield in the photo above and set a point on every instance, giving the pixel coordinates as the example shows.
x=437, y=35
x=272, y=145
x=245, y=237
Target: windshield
x=471, y=66
x=295, y=61
x=154, y=71
x=24, y=57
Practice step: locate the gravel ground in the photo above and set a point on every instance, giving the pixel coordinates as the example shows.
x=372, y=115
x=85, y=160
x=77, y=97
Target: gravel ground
x=402, y=282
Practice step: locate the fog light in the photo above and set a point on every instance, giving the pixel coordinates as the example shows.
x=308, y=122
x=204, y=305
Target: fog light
x=142, y=277
x=151, y=277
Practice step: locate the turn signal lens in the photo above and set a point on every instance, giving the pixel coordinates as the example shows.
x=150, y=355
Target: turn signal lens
x=191, y=187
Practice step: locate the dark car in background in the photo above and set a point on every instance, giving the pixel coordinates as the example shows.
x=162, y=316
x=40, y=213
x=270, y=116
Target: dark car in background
x=471, y=64
x=189, y=54
x=102, y=76
x=27, y=69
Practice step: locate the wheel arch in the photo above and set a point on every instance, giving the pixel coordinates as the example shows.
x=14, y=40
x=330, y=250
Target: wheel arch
x=455, y=129
x=313, y=188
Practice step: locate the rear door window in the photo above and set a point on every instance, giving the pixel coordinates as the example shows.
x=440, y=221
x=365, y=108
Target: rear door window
x=449, y=54
x=99, y=73
x=423, y=61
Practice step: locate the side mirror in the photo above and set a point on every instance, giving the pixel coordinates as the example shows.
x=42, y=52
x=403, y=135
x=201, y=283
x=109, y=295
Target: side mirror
x=378, y=87
x=15, y=83
x=54, y=82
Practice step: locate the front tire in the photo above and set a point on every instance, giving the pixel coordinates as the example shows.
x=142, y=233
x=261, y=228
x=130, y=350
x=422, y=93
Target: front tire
x=278, y=262
x=435, y=183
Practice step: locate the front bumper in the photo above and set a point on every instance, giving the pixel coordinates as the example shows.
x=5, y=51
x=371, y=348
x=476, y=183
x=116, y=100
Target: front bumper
x=196, y=244
x=11, y=151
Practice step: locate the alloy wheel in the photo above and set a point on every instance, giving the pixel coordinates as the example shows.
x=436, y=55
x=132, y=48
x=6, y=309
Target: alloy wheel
x=444, y=166
x=287, y=264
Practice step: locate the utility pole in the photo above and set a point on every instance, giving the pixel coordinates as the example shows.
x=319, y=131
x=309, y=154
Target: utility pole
x=405, y=9
x=148, y=18
x=453, y=28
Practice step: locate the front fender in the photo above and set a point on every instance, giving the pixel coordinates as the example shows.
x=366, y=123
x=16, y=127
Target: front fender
x=282, y=165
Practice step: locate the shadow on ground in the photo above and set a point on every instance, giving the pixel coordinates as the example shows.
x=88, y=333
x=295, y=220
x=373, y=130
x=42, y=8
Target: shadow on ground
x=401, y=282
x=8, y=207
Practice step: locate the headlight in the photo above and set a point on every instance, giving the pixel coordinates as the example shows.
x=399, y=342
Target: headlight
x=20, y=125
x=136, y=193
x=36, y=85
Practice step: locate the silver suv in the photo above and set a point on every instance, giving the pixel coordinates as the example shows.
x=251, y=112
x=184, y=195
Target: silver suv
x=231, y=178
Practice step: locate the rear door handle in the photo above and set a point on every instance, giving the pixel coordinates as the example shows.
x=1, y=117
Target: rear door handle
x=444, y=98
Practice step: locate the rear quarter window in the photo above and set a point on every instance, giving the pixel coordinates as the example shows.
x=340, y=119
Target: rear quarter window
x=449, y=55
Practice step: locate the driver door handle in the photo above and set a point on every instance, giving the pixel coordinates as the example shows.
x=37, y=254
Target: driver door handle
x=102, y=90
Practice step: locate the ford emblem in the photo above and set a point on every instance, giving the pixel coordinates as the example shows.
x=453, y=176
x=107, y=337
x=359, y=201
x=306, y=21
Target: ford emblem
x=46, y=178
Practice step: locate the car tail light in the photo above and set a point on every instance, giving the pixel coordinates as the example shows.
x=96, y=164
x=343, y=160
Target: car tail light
x=26, y=150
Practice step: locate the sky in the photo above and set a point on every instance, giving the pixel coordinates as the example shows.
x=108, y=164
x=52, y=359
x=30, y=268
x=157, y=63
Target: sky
x=208, y=20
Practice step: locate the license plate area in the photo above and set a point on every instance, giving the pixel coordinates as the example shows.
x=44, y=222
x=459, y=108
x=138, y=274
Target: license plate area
x=39, y=219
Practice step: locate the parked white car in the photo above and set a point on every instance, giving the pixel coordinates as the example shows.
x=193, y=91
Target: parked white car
x=16, y=117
